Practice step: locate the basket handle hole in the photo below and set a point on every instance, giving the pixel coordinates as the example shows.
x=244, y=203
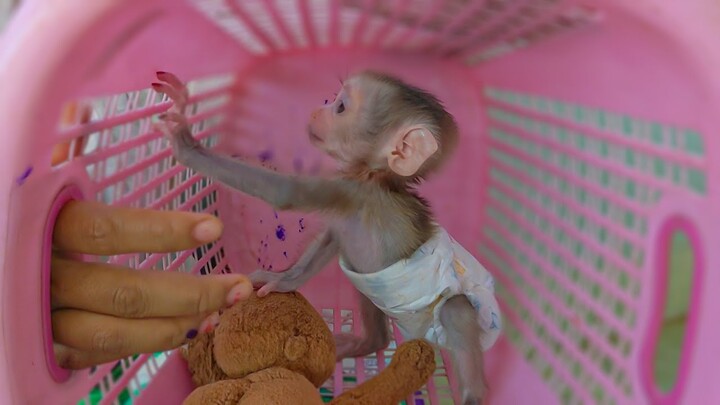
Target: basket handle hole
x=68, y=194
x=671, y=333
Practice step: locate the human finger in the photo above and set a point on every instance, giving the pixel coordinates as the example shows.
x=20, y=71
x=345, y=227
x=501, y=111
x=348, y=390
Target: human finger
x=94, y=228
x=74, y=359
x=107, y=337
x=128, y=293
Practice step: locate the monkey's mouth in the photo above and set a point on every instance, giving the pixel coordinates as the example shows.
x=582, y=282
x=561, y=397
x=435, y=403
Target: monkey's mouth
x=314, y=138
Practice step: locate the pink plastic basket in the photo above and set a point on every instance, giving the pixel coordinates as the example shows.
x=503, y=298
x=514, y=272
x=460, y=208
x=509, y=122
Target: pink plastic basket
x=582, y=181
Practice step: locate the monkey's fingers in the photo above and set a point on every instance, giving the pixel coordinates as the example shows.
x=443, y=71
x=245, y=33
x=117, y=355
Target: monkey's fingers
x=259, y=278
x=177, y=96
x=178, y=85
x=174, y=117
x=169, y=123
x=267, y=289
x=162, y=127
x=174, y=81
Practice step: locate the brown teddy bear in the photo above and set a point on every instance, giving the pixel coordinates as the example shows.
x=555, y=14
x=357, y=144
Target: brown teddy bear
x=278, y=350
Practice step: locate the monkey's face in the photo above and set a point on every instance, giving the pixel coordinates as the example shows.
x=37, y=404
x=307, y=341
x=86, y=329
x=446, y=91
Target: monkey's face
x=333, y=126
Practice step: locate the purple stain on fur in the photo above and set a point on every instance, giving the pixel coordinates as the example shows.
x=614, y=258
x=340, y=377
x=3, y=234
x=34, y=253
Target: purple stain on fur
x=265, y=155
x=280, y=232
x=192, y=334
x=24, y=176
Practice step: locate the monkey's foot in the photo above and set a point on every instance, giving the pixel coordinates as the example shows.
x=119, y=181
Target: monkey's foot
x=349, y=346
x=472, y=401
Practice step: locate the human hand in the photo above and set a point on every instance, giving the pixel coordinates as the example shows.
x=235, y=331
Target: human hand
x=102, y=312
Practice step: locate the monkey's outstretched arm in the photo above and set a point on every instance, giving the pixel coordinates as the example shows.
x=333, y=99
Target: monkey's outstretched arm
x=282, y=191
x=316, y=256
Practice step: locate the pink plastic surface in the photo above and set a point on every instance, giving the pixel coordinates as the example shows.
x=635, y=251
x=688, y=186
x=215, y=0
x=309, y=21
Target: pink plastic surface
x=586, y=140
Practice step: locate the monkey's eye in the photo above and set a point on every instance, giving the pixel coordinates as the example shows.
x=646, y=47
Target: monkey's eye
x=340, y=108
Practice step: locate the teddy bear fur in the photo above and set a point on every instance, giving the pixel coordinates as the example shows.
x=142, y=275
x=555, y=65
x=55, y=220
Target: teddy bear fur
x=278, y=350
x=409, y=369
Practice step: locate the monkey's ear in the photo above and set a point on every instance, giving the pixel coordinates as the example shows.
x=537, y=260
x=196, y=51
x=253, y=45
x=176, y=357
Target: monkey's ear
x=411, y=147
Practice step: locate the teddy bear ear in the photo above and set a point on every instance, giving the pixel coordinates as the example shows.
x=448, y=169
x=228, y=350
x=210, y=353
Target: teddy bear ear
x=295, y=347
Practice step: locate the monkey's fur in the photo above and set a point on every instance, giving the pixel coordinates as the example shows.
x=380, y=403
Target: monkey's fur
x=386, y=136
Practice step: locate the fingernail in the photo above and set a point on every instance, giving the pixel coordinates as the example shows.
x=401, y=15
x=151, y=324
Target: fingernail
x=207, y=231
x=239, y=292
x=192, y=334
x=210, y=323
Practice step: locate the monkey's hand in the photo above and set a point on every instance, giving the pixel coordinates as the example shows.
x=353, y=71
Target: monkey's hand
x=173, y=123
x=175, y=89
x=270, y=281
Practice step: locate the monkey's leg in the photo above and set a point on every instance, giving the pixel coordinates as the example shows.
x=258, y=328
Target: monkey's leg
x=459, y=319
x=376, y=334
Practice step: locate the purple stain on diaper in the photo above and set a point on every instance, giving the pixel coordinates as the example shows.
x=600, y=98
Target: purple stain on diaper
x=24, y=176
x=266, y=155
x=280, y=232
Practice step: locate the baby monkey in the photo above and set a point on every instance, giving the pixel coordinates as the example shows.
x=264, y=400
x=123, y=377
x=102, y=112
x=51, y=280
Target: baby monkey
x=386, y=136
